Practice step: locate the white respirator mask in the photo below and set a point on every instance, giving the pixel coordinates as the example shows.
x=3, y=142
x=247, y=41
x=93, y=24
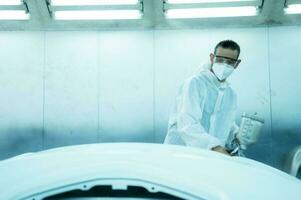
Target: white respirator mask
x=222, y=70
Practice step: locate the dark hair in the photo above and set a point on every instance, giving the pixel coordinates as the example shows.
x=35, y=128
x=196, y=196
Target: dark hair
x=228, y=44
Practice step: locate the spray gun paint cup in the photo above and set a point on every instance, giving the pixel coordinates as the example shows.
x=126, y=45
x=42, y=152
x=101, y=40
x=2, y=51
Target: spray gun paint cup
x=249, y=130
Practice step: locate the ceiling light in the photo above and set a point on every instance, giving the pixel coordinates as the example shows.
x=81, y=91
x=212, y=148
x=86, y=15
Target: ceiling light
x=97, y=15
x=10, y=2
x=13, y=15
x=212, y=12
x=92, y=2
x=293, y=9
x=200, y=1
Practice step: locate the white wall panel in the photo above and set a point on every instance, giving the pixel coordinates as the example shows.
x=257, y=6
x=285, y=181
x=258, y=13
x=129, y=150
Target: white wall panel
x=285, y=58
x=71, y=96
x=126, y=86
x=21, y=91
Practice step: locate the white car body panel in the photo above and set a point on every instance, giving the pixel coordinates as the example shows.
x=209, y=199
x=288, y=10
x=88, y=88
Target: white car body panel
x=188, y=173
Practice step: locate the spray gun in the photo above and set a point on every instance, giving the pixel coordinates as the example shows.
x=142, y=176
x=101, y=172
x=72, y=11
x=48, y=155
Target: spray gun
x=248, y=133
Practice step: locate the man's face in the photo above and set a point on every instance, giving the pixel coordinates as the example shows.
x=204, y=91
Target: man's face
x=223, y=55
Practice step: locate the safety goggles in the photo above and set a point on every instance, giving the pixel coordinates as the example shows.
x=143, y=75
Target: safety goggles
x=227, y=60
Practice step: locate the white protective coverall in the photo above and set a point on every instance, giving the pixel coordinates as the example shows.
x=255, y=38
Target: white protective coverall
x=203, y=115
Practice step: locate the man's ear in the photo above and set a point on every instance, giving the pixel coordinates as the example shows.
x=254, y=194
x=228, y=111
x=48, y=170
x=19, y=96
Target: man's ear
x=238, y=62
x=211, y=58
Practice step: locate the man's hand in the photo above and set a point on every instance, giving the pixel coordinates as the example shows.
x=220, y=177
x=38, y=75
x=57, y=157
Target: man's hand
x=220, y=149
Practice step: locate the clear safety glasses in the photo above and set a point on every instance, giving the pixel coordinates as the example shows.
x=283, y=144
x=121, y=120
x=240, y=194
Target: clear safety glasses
x=227, y=60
